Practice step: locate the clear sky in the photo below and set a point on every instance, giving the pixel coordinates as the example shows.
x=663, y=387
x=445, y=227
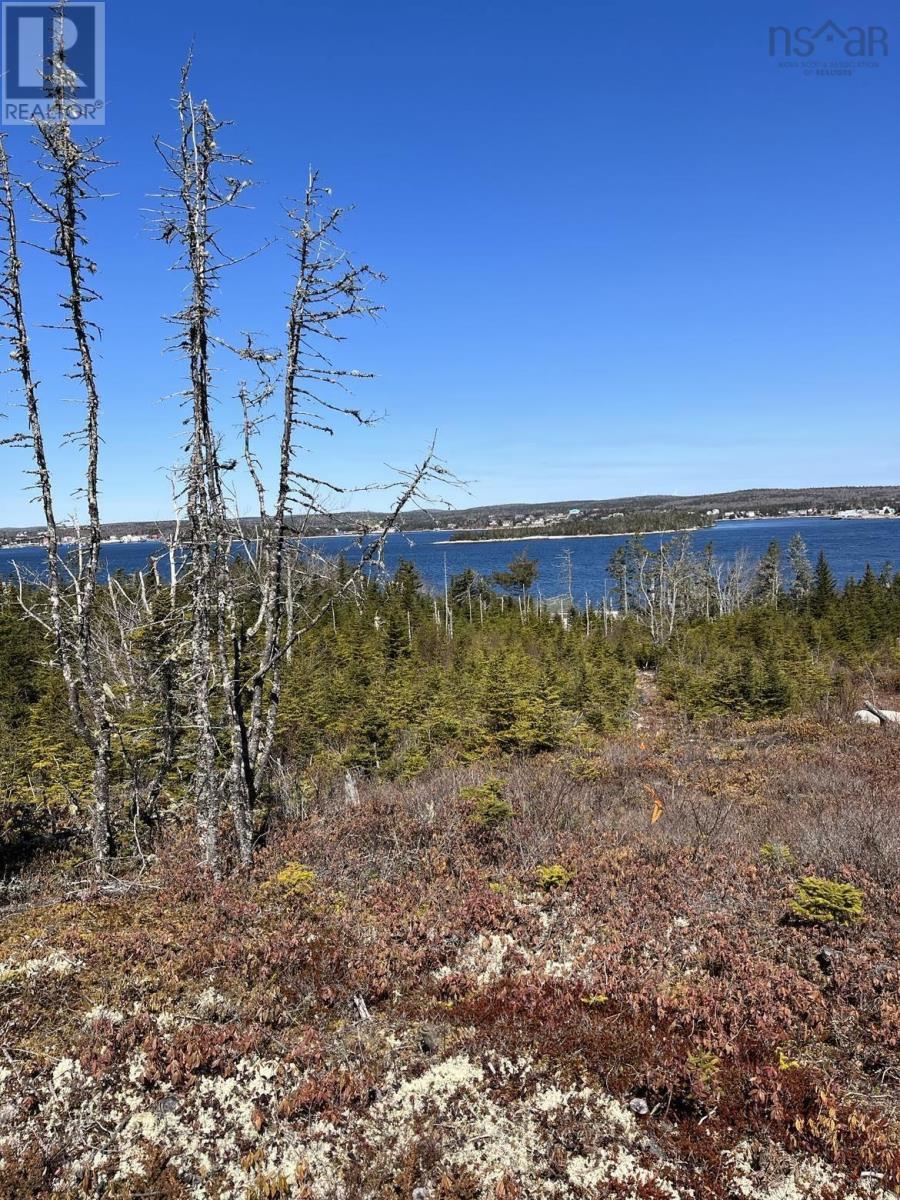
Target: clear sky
x=627, y=252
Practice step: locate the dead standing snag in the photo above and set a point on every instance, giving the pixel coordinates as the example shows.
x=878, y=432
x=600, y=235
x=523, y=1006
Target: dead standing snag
x=237, y=657
x=72, y=610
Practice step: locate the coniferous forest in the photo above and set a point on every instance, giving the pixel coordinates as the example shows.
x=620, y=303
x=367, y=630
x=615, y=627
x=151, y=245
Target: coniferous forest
x=394, y=682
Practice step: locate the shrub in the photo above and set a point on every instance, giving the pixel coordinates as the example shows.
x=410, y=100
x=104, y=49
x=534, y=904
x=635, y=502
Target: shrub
x=269, y=1187
x=777, y=854
x=824, y=902
x=487, y=807
x=705, y=1065
x=786, y=1063
x=412, y=764
x=294, y=879
x=553, y=876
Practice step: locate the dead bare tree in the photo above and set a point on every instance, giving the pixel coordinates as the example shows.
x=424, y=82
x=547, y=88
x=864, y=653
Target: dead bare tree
x=238, y=658
x=666, y=586
x=70, y=618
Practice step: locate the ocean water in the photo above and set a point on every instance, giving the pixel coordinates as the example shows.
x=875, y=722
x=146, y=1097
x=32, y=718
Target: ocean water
x=848, y=544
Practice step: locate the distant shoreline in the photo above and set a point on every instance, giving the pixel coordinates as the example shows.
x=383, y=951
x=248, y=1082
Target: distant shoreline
x=548, y=537
x=512, y=537
x=721, y=521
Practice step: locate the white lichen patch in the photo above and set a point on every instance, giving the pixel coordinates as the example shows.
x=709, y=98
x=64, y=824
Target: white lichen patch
x=491, y=1136
x=797, y=1178
x=66, y=1075
x=482, y=959
x=554, y=953
x=571, y=958
x=486, y=1117
x=100, y=1012
x=56, y=962
x=212, y=1005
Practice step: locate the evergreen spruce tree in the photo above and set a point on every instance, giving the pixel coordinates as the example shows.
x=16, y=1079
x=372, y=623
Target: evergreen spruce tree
x=774, y=695
x=767, y=583
x=520, y=576
x=406, y=585
x=468, y=588
x=824, y=589
x=802, y=582
x=618, y=570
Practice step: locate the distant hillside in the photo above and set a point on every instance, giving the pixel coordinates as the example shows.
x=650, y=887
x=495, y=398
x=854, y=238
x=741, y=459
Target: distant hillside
x=760, y=501
x=763, y=501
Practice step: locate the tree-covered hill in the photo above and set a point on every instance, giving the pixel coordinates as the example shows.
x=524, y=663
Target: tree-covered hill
x=763, y=501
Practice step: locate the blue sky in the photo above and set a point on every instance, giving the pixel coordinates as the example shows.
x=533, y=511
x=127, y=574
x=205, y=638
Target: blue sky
x=627, y=252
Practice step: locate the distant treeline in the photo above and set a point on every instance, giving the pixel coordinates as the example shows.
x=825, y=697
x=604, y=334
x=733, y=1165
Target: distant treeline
x=617, y=523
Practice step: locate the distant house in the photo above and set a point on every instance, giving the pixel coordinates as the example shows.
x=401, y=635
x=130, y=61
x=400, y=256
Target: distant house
x=574, y=512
